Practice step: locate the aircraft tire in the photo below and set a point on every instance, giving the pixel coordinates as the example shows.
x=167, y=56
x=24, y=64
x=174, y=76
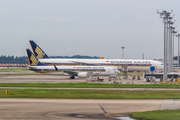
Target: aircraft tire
x=72, y=77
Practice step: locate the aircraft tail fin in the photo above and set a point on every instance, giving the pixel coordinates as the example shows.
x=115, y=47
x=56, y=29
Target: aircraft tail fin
x=38, y=52
x=33, y=61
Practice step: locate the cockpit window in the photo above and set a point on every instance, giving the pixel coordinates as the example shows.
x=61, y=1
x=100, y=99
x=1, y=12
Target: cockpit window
x=161, y=64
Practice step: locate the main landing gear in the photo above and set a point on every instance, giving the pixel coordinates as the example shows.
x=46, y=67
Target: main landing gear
x=72, y=77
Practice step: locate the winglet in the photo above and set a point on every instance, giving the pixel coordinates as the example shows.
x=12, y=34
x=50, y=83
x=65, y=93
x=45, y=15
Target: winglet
x=39, y=53
x=33, y=61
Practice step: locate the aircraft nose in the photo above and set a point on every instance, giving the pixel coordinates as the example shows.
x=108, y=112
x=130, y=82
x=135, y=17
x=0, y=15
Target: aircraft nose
x=160, y=67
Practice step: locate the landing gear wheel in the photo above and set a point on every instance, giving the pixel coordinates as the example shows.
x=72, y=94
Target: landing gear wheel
x=72, y=77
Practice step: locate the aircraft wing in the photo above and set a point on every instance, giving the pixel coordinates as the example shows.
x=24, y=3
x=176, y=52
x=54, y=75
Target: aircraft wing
x=71, y=73
x=83, y=63
x=68, y=72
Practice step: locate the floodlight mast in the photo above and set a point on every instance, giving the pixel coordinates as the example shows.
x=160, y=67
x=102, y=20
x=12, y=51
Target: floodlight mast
x=165, y=15
x=170, y=48
x=171, y=45
x=169, y=42
x=178, y=50
x=173, y=32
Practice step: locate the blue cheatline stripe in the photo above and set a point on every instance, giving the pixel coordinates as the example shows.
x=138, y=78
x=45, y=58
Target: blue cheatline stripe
x=73, y=69
x=69, y=70
x=98, y=64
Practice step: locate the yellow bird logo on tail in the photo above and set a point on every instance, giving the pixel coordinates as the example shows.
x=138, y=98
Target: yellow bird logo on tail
x=34, y=60
x=40, y=54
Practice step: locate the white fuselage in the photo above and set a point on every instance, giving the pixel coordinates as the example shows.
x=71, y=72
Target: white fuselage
x=133, y=64
x=67, y=70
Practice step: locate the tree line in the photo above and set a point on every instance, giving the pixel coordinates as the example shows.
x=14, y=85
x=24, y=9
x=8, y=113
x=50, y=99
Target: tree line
x=24, y=60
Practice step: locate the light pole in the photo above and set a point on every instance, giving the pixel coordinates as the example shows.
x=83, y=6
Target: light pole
x=165, y=15
x=170, y=47
x=173, y=32
x=169, y=55
x=122, y=51
x=178, y=50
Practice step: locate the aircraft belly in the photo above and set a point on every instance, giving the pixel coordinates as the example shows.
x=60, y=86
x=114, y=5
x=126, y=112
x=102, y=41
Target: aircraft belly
x=136, y=68
x=139, y=68
x=56, y=73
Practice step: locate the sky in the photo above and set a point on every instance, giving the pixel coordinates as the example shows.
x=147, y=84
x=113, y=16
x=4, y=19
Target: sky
x=86, y=27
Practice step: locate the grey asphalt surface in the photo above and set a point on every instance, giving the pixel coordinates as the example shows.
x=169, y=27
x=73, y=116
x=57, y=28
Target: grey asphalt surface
x=15, y=78
x=76, y=109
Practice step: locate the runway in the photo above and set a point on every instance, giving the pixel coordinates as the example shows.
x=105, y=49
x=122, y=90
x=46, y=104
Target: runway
x=68, y=109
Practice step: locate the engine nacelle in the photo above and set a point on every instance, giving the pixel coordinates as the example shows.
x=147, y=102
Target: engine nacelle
x=82, y=74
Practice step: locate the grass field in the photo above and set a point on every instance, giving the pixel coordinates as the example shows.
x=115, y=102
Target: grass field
x=13, y=69
x=19, y=74
x=8, y=71
x=157, y=115
x=89, y=85
x=89, y=94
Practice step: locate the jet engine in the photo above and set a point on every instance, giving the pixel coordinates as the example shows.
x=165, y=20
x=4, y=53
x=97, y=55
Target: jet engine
x=82, y=74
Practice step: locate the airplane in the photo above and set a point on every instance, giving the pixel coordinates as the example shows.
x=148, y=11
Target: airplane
x=133, y=64
x=79, y=71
